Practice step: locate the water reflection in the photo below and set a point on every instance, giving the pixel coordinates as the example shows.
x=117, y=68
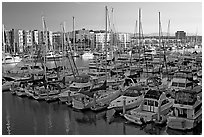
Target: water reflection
x=49, y=117
x=196, y=131
x=8, y=123
x=67, y=122
x=88, y=117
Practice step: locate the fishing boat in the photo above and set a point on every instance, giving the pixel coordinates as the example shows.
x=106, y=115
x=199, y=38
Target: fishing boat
x=133, y=97
x=154, y=107
x=187, y=109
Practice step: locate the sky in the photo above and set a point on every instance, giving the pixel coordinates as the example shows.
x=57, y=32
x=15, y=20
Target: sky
x=186, y=16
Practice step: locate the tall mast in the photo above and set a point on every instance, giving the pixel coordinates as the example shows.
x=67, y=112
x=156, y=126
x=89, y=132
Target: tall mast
x=63, y=49
x=133, y=43
x=160, y=35
x=74, y=36
x=139, y=36
x=3, y=39
x=168, y=34
x=68, y=55
x=44, y=44
x=106, y=37
x=14, y=42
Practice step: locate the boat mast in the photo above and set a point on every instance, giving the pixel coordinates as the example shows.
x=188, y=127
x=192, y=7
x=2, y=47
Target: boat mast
x=168, y=34
x=139, y=37
x=14, y=44
x=135, y=33
x=63, y=49
x=74, y=36
x=44, y=44
x=68, y=56
x=160, y=37
x=3, y=39
x=106, y=10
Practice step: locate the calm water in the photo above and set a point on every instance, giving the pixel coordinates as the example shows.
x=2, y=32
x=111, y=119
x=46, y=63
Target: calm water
x=30, y=117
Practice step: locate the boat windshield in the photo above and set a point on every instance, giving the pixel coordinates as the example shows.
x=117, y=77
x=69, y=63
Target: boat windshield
x=181, y=84
x=132, y=93
x=74, y=89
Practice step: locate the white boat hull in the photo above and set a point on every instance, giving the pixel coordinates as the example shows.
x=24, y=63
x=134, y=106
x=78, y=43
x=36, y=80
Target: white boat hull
x=133, y=119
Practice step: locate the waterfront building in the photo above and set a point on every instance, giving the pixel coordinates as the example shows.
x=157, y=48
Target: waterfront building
x=100, y=40
x=50, y=44
x=35, y=34
x=57, y=40
x=180, y=35
x=124, y=40
x=27, y=40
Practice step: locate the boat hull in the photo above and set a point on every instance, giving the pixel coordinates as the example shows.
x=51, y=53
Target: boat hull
x=133, y=119
x=183, y=123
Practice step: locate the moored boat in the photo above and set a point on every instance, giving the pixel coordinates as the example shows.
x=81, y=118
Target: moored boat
x=154, y=107
x=133, y=97
x=187, y=109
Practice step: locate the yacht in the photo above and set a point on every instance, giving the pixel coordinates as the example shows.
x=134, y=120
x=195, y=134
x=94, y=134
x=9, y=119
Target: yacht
x=133, y=97
x=154, y=107
x=187, y=109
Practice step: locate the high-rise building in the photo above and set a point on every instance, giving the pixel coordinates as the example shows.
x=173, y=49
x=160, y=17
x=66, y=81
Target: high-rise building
x=35, y=34
x=28, y=39
x=57, y=40
x=180, y=35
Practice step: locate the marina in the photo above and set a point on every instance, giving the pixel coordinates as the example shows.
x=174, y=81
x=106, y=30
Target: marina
x=57, y=112
x=79, y=86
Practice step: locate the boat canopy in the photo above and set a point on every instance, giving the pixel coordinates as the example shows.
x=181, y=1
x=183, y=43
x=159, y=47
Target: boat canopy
x=154, y=94
x=186, y=97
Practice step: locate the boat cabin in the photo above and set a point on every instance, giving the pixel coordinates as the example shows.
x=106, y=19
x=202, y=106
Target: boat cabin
x=154, y=99
x=182, y=80
x=187, y=103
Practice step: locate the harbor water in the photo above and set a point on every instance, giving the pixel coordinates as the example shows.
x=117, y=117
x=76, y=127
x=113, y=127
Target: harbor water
x=24, y=116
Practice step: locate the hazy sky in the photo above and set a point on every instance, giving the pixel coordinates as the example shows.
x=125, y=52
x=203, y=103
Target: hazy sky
x=185, y=16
